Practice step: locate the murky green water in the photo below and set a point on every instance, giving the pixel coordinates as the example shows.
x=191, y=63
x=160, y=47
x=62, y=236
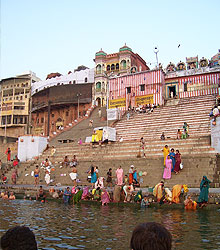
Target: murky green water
x=87, y=226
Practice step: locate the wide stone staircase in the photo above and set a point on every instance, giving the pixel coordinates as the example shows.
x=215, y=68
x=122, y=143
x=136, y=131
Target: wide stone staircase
x=194, y=110
x=198, y=157
x=82, y=129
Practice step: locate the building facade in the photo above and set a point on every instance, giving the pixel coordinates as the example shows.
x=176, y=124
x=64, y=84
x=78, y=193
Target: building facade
x=196, y=77
x=140, y=88
x=58, y=101
x=117, y=64
x=15, y=104
x=193, y=78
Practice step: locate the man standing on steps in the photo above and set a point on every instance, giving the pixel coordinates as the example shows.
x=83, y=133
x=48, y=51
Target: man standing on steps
x=73, y=175
x=36, y=175
x=100, y=113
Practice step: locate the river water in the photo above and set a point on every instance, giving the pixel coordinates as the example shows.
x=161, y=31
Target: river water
x=90, y=226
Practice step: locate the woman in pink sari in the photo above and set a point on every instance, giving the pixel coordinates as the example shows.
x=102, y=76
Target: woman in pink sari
x=119, y=175
x=167, y=168
x=105, y=197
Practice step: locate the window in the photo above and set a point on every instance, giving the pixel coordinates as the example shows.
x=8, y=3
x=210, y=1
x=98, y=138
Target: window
x=37, y=120
x=74, y=82
x=112, y=67
x=142, y=87
x=42, y=120
x=25, y=96
x=98, y=69
x=128, y=90
x=98, y=85
x=108, y=68
x=67, y=113
x=123, y=64
x=185, y=86
x=86, y=79
x=117, y=66
x=21, y=97
x=52, y=115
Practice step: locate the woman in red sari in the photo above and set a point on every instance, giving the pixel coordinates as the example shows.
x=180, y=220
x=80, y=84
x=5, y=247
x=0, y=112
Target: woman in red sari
x=178, y=161
x=8, y=153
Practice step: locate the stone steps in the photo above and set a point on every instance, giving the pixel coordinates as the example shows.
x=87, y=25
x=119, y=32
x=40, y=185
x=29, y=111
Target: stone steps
x=154, y=167
x=168, y=119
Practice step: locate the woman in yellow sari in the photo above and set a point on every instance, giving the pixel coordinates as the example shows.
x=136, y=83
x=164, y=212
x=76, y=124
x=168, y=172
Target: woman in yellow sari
x=166, y=151
x=177, y=191
x=158, y=190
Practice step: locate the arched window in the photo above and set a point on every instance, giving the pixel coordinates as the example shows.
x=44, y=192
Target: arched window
x=123, y=64
x=117, y=66
x=86, y=79
x=108, y=67
x=98, y=69
x=112, y=67
x=98, y=86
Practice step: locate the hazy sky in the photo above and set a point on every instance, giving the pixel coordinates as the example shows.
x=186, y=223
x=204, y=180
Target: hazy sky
x=58, y=35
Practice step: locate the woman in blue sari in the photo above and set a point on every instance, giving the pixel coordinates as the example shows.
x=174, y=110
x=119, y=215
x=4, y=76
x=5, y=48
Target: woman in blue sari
x=93, y=176
x=204, y=191
x=172, y=157
x=67, y=195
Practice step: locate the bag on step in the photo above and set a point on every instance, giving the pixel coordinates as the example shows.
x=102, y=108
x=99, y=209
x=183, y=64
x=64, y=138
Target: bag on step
x=181, y=165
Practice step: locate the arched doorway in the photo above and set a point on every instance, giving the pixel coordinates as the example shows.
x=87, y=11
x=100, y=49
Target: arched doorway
x=98, y=102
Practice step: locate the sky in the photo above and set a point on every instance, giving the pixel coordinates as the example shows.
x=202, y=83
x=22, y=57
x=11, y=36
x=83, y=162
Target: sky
x=47, y=36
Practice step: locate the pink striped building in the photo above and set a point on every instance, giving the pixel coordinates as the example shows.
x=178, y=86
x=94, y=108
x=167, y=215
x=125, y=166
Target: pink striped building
x=190, y=83
x=139, y=88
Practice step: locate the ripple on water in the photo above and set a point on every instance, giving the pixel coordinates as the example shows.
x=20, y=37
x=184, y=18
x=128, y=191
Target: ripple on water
x=52, y=239
x=67, y=246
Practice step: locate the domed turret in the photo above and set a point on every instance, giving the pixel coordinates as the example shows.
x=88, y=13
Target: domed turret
x=100, y=53
x=125, y=48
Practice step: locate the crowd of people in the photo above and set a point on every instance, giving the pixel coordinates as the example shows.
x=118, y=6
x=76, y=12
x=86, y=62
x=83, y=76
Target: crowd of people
x=172, y=162
x=12, y=165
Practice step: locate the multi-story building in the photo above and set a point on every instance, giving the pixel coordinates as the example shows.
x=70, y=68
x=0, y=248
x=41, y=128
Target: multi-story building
x=116, y=64
x=58, y=101
x=140, y=88
x=15, y=104
x=196, y=77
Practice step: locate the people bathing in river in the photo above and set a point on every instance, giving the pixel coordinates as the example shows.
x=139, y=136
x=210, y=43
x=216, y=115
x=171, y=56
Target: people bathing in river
x=204, y=191
x=190, y=204
x=144, y=202
x=151, y=236
x=105, y=198
x=67, y=196
x=11, y=196
x=158, y=190
x=41, y=195
x=176, y=191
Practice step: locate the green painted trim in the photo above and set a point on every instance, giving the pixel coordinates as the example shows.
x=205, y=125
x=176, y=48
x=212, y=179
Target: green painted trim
x=100, y=54
x=124, y=49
